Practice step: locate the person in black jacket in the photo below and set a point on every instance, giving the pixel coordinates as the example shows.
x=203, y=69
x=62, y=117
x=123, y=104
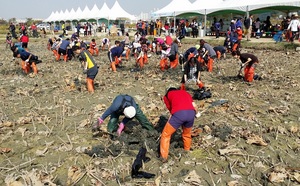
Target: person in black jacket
x=248, y=26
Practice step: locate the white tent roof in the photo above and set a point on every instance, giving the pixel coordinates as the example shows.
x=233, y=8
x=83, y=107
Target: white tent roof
x=118, y=12
x=77, y=13
x=204, y=8
x=175, y=7
x=104, y=12
x=94, y=13
x=245, y=6
x=70, y=15
x=66, y=14
x=85, y=14
x=269, y=3
x=54, y=17
x=49, y=18
x=60, y=16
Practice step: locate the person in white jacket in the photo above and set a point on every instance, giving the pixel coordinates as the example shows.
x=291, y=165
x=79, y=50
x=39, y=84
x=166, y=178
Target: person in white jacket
x=294, y=26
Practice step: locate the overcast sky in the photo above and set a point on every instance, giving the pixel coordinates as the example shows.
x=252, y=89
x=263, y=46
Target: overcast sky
x=22, y=9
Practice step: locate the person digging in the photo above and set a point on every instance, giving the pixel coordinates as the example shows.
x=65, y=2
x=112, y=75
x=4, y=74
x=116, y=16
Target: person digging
x=123, y=104
x=249, y=62
x=183, y=112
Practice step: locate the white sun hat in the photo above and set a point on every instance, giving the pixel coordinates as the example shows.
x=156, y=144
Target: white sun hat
x=129, y=112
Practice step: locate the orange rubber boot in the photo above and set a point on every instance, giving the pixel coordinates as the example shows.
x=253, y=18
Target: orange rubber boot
x=97, y=51
x=165, y=140
x=187, y=138
x=55, y=53
x=210, y=65
x=117, y=61
x=218, y=54
x=34, y=68
x=145, y=58
x=200, y=84
x=234, y=48
x=127, y=54
x=24, y=67
x=90, y=85
x=163, y=64
x=182, y=87
x=58, y=57
x=140, y=62
x=249, y=74
x=174, y=63
x=113, y=67
x=65, y=58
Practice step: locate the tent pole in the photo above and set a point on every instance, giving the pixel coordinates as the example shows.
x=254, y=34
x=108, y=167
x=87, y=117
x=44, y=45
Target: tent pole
x=205, y=20
x=247, y=11
x=174, y=24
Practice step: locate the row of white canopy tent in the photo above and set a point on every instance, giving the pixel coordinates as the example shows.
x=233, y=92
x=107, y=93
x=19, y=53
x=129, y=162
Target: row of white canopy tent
x=116, y=12
x=178, y=7
x=200, y=7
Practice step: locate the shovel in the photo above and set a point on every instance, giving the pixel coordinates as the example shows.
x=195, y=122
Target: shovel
x=239, y=73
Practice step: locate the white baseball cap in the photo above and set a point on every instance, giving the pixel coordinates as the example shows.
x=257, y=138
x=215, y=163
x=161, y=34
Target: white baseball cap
x=129, y=112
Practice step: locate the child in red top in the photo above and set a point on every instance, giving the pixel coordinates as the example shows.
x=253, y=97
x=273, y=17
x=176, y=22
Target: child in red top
x=24, y=40
x=93, y=48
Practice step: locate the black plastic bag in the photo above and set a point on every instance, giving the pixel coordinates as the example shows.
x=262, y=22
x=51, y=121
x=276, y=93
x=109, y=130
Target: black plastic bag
x=138, y=163
x=201, y=94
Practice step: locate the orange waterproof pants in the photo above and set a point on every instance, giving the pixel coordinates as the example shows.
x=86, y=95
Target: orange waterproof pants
x=187, y=138
x=90, y=85
x=163, y=64
x=210, y=65
x=174, y=64
x=127, y=54
x=218, y=55
x=249, y=73
x=165, y=140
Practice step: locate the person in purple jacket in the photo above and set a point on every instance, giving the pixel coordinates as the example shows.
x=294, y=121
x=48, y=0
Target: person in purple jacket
x=125, y=105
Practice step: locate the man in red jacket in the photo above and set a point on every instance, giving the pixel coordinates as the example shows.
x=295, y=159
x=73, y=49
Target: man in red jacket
x=183, y=110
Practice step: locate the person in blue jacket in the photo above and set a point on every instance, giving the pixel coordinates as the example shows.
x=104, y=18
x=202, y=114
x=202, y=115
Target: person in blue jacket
x=123, y=104
x=115, y=54
x=29, y=60
x=64, y=46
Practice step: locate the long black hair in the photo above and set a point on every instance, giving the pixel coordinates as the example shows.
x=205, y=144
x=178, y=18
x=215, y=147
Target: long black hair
x=170, y=89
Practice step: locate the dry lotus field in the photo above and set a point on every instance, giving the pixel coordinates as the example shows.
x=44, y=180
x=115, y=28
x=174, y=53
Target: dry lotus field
x=46, y=136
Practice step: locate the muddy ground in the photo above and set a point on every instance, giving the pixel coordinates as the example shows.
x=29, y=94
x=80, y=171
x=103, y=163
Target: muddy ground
x=45, y=128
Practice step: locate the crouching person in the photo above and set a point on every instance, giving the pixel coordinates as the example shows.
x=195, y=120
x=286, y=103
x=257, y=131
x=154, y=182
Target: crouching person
x=28, y=62
x=183, y=111
x=89, y=65
x=249, y=62
x=192, y=73
x=115, y=54
x=125, y=105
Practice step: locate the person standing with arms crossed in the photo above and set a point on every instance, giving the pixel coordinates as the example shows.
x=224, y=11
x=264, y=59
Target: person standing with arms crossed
x=248, y=26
